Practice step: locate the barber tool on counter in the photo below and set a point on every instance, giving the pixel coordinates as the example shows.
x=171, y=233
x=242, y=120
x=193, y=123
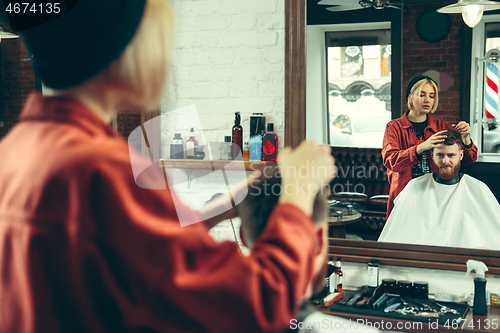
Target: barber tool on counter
x=388, y=299
x=480, y=268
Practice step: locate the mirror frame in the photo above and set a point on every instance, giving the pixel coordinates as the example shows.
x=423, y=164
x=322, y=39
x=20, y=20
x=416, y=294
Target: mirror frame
x=432, y=257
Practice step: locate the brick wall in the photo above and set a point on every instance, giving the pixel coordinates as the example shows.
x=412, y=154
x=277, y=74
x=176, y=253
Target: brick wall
x=127, y=122
x=443, y=56
x=229, y=56
x=17, y=80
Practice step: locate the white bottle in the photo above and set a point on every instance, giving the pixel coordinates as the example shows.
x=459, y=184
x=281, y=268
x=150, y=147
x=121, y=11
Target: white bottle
x=373, y=273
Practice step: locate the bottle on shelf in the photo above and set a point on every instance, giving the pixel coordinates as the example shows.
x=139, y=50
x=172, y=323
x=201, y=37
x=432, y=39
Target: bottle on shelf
x=191, y=144
x=237, y=137
x=257, y=126
x=177, y=148
x=339, y=276
x=225, y=149
x=373, y=273
x=332, y=277
x=246, y=153
x=270, y=144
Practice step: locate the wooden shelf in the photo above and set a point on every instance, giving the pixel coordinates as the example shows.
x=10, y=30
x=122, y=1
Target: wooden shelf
x=214, y=165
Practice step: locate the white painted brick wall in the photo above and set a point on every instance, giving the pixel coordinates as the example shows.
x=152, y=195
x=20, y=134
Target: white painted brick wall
x=228, y=57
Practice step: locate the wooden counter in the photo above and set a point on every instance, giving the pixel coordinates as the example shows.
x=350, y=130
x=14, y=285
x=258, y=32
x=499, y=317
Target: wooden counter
x=214, y=165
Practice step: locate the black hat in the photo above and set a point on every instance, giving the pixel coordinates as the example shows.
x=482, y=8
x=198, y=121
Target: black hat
x=85, y=40
x=415, y=80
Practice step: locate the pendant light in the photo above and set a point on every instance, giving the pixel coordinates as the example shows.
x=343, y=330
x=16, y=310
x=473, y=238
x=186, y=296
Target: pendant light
x=472, y=10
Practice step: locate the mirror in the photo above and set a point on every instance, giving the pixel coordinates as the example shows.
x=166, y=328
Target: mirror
x=295, y=131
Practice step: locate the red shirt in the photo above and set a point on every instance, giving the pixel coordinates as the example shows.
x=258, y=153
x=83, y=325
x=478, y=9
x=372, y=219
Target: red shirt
x=84, y=249
x=399, y=151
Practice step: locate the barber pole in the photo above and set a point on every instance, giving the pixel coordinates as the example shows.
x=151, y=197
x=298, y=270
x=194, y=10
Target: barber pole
x=491, y=96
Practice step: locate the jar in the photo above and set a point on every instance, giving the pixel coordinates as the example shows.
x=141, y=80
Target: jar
x=421, y=290
x=389, y=286
x=405, y=288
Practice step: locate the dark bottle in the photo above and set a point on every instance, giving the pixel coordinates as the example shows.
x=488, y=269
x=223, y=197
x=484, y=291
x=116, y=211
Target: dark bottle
x=479, y=307
x=237, y=138
x=270, y=144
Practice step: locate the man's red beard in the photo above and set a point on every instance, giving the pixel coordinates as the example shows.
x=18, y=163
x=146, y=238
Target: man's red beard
x=446, y=173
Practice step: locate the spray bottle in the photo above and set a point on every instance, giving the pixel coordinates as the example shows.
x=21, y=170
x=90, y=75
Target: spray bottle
x=479, y=286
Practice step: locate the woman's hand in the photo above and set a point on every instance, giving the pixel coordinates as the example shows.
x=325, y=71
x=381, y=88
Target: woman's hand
x=464, y=129
x=305, y=171
x=432, y=142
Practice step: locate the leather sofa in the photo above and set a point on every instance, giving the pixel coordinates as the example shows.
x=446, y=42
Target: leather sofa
x=362, y=179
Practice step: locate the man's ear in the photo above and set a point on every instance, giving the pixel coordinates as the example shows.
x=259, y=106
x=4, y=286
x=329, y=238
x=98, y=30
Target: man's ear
x=461, y=154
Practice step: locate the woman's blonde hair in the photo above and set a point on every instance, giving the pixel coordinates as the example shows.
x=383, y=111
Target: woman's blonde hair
x=417, y=89
x=143, y=66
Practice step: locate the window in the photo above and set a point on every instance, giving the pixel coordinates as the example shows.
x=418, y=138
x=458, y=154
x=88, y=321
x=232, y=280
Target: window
x=359, y=86
x=484, y=117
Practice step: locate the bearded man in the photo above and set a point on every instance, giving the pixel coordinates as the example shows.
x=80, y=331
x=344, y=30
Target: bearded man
x=445, y=208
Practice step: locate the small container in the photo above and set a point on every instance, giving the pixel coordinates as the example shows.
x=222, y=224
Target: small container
x=405, y=288
x=421, y=290
x=349, y=208
x=339, y=276
x=389, y=286
x=246, y=153
x=270, y=144
x=191, y=144
x=257, y=127
x=373, y=268
x=199, y=154
x=177, y=148
x=225, y=149
x=332, y=278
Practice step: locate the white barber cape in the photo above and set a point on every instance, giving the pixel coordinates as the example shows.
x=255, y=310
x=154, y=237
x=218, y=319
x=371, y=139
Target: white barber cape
x=465, y=215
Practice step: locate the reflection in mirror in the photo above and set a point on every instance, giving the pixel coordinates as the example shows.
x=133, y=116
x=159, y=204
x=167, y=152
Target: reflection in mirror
x=451, y=60
x=359, y=81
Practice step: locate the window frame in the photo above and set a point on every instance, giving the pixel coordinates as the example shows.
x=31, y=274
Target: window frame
x=317, y=124
x=478, y=46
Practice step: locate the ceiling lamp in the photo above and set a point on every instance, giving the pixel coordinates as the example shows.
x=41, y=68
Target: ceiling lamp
x=7, y=35
x=472, y=10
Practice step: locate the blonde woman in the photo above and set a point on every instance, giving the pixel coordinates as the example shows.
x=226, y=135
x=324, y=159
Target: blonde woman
x=409, y=140
x=82, y=247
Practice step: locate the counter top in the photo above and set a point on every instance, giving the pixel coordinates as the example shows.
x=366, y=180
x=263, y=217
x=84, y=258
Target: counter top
x=214, y=165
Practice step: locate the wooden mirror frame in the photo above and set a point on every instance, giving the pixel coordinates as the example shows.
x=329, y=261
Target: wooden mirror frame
x=432, y=257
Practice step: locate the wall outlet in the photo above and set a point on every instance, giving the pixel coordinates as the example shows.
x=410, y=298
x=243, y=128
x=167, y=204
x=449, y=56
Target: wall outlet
x=1, y=123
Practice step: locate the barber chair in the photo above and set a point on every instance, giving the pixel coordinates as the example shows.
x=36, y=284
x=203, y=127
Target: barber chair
x=362, y=180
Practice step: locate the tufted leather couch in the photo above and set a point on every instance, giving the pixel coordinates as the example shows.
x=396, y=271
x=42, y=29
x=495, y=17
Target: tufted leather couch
x=362, y=178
